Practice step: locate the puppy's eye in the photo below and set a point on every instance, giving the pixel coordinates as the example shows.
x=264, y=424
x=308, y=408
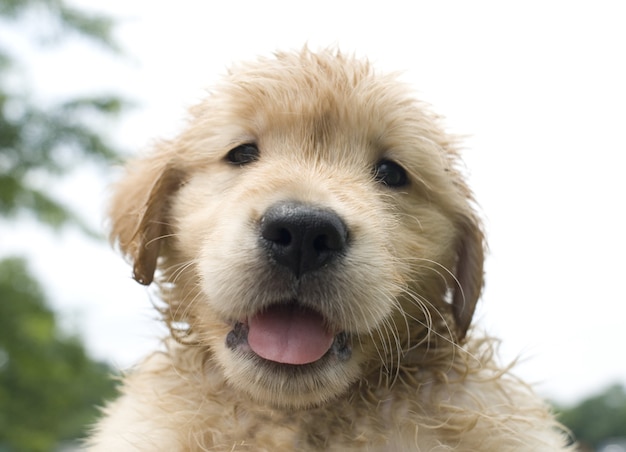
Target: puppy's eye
x=390, y=174
x=243, y=154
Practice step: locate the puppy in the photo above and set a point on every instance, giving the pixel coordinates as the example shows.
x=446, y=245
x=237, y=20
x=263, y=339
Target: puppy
x=319, y=260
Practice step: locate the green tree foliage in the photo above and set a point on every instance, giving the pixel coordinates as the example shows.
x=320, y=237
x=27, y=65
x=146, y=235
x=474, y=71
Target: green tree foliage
x=36, y=141
x=598, y=418
x=49, y=387
x=62, y=19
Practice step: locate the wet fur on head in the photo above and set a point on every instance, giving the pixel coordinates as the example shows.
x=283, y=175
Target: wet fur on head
x=139, y=213
x=399, y=294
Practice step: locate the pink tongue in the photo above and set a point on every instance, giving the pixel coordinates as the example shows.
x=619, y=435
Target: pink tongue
x=289, y=335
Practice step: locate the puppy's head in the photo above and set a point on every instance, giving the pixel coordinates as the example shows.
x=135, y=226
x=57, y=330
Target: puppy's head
x=307, y=228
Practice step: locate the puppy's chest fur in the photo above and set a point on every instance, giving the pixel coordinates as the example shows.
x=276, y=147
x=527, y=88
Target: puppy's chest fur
x=181, y=402
x=218, y=418
x=320, y=429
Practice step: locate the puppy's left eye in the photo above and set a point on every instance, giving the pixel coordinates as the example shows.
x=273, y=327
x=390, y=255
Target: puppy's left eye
x=243, y=154
x=390, y=174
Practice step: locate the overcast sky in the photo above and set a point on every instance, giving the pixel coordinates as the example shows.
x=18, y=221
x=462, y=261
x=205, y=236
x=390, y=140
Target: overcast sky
x=538, y=88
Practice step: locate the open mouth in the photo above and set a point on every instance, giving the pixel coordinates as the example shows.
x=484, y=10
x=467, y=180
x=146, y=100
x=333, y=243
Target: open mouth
x=289, y=334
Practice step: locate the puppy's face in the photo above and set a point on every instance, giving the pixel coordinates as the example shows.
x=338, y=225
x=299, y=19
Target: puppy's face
x=309, y=227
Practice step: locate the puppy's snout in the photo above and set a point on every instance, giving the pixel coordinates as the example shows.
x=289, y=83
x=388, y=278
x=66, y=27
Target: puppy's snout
x=302, y=238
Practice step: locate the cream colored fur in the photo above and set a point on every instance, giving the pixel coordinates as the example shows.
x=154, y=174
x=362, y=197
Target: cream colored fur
x=405, y=289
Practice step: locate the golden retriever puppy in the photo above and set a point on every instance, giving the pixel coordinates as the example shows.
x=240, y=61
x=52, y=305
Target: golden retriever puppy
x=319, y=260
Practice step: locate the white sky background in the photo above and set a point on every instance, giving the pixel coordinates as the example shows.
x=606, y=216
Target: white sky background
x=539, y=88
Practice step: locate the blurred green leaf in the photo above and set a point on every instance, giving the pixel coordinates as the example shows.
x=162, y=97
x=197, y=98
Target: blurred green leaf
x=598, y=417
x=49, y=387
x=65, y=18
x=39, y=142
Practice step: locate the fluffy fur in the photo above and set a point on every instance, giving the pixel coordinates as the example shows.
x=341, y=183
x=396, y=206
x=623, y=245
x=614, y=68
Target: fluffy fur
x=402, y=291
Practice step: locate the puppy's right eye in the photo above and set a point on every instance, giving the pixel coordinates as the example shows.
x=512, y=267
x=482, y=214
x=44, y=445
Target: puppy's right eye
x=390, y=174
x=243, y=154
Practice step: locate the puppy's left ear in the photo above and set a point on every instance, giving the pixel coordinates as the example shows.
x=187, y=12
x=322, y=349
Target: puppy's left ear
x=154, y=227
x=139, y=213
x=469, y=275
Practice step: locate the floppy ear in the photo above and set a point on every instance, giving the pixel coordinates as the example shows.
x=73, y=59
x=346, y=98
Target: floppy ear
x=138, y=214
x=469, y=275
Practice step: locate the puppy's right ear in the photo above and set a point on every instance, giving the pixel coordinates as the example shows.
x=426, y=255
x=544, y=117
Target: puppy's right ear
x=139, y=213
x=469, y=274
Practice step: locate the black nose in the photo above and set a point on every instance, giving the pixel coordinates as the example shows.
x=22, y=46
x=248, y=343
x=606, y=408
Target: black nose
x=301, y=237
